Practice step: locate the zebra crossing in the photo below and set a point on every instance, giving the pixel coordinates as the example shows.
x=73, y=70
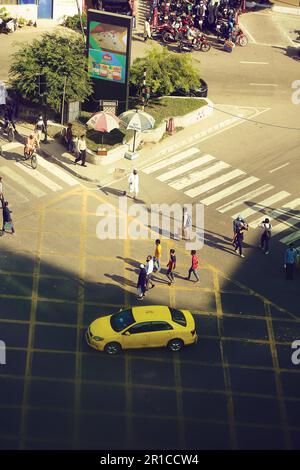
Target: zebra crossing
x=22, y=183
x=213, y=182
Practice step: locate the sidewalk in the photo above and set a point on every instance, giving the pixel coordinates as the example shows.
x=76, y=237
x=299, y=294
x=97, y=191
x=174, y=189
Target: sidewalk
x=223, y=118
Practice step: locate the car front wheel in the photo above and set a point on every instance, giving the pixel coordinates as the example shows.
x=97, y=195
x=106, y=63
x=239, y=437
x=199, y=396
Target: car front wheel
x=175, y=345
x=113, y=348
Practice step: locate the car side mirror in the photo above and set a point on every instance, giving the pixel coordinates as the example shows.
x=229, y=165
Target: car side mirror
x=127, y=333
x=121, y=308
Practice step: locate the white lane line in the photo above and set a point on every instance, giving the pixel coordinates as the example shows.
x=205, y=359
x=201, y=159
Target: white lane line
x=228, y=191
x=58, y=172
x=169, y=161
x=257, y=63
x=14, y=191
x=247, y=32
x=263, y=84
x=262, y=205
x=283, y=210
x=279, y=167
x=39, y=177
x=197, y=176
x=184, y=168
x=21, y=181
x=246, y=197
x=214, y=183
x=290, y=238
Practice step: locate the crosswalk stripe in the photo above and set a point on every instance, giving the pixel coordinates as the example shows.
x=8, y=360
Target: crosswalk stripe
x=262, y=205
x=22, y=182
x=184, y=168
x=228, y=191
x=285, y=225
x=197, y=176
x=169, y=161
x=242, y=199
x=290, y=238
x=39, y=177
x=58, y=172
x=14, y=192
x=284, y=210
x=214, y=183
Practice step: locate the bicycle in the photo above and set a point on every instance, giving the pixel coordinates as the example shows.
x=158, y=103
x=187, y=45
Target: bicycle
x=32, y=156
x=9, y=131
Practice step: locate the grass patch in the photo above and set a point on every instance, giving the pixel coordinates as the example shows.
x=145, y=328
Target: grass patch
x=167, y=107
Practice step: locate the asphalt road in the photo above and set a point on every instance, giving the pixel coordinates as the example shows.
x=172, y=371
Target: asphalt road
x=237, y=388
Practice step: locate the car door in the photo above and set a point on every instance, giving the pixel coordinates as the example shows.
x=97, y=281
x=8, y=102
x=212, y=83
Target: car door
x=160, y=334
x=136, y=336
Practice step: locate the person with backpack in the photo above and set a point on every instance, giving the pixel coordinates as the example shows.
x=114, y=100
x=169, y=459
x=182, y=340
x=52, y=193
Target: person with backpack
x=39, y=128
x=266, y=235
x=171, y=267
x=290, y=259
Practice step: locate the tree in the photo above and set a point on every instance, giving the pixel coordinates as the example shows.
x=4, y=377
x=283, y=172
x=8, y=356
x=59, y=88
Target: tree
x=54, y=57
x=166, y=71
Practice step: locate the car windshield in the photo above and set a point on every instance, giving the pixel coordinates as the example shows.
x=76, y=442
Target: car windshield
x=178, y=316
x=122, y=320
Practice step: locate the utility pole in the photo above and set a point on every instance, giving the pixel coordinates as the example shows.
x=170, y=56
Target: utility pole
x=63, y=105
x=80, y=18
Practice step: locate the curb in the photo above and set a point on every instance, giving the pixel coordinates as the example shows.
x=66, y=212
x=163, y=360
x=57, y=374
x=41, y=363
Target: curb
x=65, y=167
x=287, y=10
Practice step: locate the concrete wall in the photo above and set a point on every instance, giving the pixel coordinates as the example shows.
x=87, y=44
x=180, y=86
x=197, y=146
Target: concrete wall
x=63, y=8
x=28, y=12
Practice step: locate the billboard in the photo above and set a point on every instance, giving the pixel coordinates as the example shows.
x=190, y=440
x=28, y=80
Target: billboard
x=108, y=47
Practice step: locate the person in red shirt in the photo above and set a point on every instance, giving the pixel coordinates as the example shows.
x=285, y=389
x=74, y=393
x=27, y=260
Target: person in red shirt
x=194, y=268
x=171, y=267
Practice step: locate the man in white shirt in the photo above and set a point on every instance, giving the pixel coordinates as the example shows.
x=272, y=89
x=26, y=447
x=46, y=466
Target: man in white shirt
x=133, y=181
x=149, y=270
x=266, y=235
x=81, y=149
x=186, y=225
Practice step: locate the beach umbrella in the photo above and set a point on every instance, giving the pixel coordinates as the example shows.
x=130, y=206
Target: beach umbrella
x=137, y=120
x=103, y=122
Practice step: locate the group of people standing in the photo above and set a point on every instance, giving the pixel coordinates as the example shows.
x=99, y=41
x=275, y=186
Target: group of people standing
x=240, y=226
x=76, y=145
x=153, y=265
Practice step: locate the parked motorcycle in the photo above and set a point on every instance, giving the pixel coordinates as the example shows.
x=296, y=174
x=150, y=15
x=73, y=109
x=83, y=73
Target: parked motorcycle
x=199, y=44
x=7, y=25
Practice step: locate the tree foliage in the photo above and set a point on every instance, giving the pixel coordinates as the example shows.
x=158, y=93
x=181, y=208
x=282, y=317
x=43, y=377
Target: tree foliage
x=55, y=56
x=73, y=22
x=166, y=71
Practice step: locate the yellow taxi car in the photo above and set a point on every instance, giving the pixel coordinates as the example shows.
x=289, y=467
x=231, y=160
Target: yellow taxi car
x=150, y=326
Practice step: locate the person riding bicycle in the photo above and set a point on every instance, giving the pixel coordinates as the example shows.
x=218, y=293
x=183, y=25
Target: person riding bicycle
x=31, y=144
x=8, y=117
x=191, y=35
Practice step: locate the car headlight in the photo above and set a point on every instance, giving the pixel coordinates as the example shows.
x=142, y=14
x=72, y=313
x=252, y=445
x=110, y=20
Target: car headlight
x=98, y=338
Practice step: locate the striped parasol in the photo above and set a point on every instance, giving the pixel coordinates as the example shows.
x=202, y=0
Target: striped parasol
x=137, y=120
x=103, y=122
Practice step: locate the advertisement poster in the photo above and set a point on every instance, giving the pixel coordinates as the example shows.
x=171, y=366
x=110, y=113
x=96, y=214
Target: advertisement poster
x=107, y=51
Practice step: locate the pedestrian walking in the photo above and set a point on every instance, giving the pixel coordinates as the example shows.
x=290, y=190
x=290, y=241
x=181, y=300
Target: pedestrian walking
x=157, y=256
x=149, y=271
x=7, y=220
x=147, y=29
x=238, y=223
x=290, y=259
x=238, y=241
x=266, y=235
x=1, y=192
x=39, y=128
x=194, y=267
x=81, y=149
x=186, y=224
x=171, y=267
x=142, y=283
x=133, y=181
x=69, y=137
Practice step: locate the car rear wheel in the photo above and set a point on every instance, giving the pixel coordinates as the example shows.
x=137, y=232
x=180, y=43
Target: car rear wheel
x=175, y=345
x=113, y=348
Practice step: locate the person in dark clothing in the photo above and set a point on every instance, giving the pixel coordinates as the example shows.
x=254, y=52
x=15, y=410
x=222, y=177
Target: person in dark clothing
x=171, y=267
x=69, y=138
x=7, y=218
x=8, y=117
x=142, y=282
x=238, y=242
